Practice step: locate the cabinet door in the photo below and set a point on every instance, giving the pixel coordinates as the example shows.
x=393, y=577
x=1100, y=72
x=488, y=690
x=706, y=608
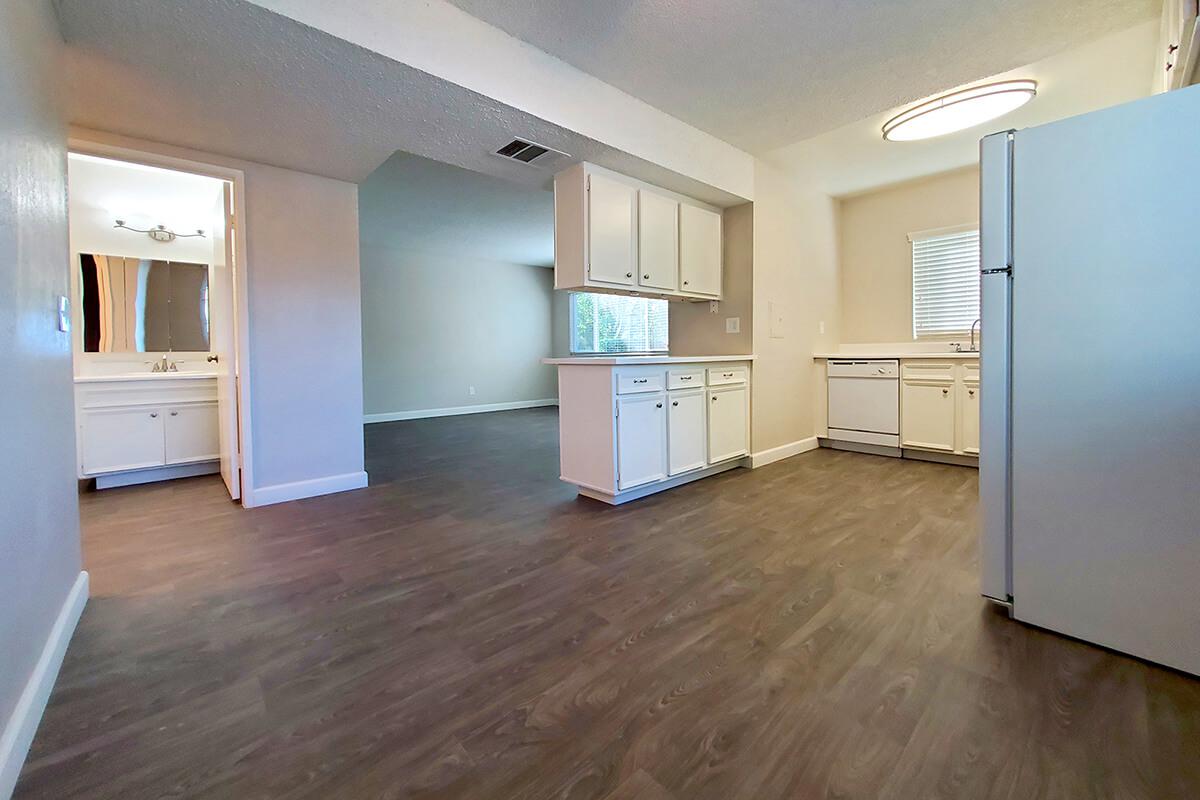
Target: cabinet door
x=968, y=403
x=686, y=431
x=658, y=241
x=641, y=439
x=728, y=434
x=927, y=415
x=699, y=251
x=612, y=231
x=192, y=433
x=118, y=439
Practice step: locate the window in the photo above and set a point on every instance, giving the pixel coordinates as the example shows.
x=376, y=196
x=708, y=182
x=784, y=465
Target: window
x=607, y=323
x=945, y=281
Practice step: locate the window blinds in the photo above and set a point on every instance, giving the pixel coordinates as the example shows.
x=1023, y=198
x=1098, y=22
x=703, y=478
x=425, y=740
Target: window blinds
x=945, y=282
x=605, y=323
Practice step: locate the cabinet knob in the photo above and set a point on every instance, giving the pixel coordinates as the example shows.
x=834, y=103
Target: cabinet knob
x=714, y=398
x=153, y=414
x=646, y=277
x=685, y=283
x=674, y=402
x=174, y=413
x=628, y=274
x=945, y=391
x=658, y=405
x=971, y=392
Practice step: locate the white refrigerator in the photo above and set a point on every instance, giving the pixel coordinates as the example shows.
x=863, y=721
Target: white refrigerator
x=1090, y=383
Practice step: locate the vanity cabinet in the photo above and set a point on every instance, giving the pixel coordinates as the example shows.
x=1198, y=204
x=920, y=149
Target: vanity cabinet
x=629, y=429
x=138, y=429
x=619, y=235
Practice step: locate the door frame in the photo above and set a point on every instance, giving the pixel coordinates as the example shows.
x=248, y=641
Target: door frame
x=84, y=146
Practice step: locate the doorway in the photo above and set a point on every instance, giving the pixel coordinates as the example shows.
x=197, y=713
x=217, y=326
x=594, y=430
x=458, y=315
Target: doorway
x=157, y=317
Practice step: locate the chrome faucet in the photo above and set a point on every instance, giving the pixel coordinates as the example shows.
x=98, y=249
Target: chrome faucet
x=973, y=324
x=163, y=365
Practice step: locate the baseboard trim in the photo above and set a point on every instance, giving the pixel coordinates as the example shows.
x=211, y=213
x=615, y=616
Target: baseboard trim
x=23, y=724
x=454, y=411
x=154, y=474
x=764, y=457
x=298, y=490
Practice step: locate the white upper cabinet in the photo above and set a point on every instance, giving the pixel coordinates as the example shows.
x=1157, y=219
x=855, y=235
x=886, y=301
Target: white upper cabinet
x=658, y=241
x=612, y=223
x=619, y=235
x=699, y=251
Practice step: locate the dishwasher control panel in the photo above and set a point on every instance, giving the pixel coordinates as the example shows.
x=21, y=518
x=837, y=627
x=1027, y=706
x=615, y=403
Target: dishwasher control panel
x=865, y=368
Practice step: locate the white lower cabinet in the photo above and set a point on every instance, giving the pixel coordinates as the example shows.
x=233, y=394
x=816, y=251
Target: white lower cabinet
x=686, y=431
x=968, y=400
x=118, y=439
x=927, y=415
x=641, y=439
x=728, y=430
x=192, y=433
x=628, y=430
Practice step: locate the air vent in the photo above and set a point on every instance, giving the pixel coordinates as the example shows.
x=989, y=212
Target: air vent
x=529, y=153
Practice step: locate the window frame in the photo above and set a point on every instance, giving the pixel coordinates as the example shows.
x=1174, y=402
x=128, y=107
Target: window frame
x=926, y=235
x=571, y=317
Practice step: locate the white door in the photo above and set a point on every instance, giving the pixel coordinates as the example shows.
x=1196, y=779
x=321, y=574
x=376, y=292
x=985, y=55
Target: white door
x=686, y=430
x=699, y=251
x=969, y=414
x=612, y=231
x=728, y=431
x=116, y=439
x=927, y=415
x=192, y=433
x=658, y=241
x=641, y=439
x=222, y=341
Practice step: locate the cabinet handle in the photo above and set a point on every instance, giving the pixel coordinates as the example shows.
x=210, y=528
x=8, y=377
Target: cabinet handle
x=628, y=274
x=153, y=414
x=674, y=402
x=658, y=405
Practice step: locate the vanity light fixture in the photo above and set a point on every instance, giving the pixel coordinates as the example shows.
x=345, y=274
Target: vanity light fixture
x=160, y=233
x=959, y=110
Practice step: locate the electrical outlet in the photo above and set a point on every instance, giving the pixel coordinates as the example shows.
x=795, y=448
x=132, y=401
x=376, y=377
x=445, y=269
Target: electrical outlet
x=714, y=306
x=471, y=390
x=733, y=324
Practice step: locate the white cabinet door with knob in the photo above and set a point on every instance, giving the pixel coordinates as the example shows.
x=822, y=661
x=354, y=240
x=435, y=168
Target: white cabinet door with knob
x=927, y=415
x=699, y=251
x=969, y=415
x=114, y=439
x=728, y=417
x=658, y=241
x=641, y=439
x=192, y=433
x=612, y=226
x=686, y=430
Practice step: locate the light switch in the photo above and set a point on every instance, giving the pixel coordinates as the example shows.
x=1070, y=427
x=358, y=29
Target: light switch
x=64, y=314
x=733, y=324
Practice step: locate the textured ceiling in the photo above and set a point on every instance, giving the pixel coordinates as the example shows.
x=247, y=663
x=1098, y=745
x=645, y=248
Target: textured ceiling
x=764, y=73
x=414, y=203
x=231, y=78
x=854, y=158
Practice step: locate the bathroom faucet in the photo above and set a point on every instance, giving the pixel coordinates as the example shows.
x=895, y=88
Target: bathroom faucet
x=162, y=365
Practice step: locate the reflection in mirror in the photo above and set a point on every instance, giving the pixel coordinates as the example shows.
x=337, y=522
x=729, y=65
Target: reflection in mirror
x=138, y=305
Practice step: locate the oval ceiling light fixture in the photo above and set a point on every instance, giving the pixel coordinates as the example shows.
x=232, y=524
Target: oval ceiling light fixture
x=959, y=110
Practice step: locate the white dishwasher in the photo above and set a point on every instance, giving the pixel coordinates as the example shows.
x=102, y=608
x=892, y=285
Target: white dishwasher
x=864, y=401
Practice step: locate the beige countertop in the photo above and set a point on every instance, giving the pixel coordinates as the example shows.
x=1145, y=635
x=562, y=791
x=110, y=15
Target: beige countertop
x=895, y=354
x=619, y=360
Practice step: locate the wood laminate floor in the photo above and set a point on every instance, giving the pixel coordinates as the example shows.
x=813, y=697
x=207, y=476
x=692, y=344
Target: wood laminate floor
x=468, y=628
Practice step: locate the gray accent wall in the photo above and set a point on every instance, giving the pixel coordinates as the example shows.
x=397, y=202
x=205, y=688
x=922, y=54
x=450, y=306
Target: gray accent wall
x=39, y=511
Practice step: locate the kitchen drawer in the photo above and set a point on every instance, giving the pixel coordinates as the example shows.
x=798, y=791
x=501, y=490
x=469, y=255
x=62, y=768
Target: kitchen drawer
x=970, y=371
x=685, y=378
x=722, y=376
x=927, y=370
x=635, y=381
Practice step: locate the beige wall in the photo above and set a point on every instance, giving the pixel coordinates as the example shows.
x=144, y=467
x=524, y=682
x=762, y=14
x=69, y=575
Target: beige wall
x=435, y=324
x=876, y=256
x=305, y=318
x=795, y=275
x=39, y=513
x=695, y=331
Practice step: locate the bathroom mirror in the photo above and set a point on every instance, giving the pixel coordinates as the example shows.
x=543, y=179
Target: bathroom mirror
x=142, y=305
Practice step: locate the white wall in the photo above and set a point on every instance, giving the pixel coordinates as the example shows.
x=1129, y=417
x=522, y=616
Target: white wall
x=876, y=255
x=435, y=324
x=39, y=514
x=305, y=324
